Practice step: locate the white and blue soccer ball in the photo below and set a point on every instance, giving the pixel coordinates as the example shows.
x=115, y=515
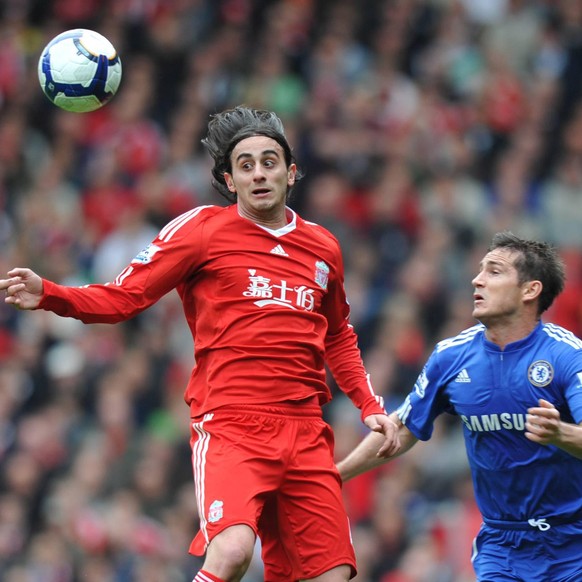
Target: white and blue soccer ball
x=79, y=70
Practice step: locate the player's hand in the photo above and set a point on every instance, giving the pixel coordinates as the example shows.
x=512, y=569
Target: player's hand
x=23, y=287
x=382, y=423
x=543, y=424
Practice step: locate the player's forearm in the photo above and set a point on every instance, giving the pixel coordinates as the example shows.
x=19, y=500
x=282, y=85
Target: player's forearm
x=91, y=304
x=571, y=439
x=345, y=363
x=365, y=456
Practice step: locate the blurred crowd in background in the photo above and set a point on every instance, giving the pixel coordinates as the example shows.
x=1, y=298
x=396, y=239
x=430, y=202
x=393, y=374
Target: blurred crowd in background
x=422, y=127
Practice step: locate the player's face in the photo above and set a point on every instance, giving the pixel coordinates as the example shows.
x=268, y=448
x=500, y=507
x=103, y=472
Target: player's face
x=260, y=178
x=498, y=296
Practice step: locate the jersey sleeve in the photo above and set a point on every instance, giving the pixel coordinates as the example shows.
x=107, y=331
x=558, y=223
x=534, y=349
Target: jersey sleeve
x=425, y=401
x=573, y=383
x=342, y=353
x=171, y=257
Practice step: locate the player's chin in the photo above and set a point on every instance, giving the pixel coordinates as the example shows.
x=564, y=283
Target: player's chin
x=266, y=203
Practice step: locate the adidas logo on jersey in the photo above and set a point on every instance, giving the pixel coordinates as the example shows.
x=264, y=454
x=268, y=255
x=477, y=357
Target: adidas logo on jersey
x=278, y=250
x=463, y=376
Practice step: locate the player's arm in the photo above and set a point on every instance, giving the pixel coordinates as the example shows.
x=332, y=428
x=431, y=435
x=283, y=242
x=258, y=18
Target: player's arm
x=344, y=359
x=345, y=363
x=371, y=453
x=151, y=274
x=109, y=303
x=342, y=353
x=544, y=426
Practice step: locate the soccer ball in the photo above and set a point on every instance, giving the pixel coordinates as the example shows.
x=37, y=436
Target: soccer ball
x=79, y=70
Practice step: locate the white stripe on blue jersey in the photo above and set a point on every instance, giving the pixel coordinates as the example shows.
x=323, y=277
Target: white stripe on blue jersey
x=465, y=336
x=562, y=335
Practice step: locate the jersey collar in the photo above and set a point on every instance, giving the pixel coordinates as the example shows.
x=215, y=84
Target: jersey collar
x=289, y=227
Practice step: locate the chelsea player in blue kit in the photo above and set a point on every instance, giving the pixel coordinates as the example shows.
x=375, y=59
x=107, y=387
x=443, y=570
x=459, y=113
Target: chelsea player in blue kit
x=516, y=384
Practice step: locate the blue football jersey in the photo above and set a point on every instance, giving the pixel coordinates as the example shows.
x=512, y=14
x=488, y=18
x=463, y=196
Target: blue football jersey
x=490, y=389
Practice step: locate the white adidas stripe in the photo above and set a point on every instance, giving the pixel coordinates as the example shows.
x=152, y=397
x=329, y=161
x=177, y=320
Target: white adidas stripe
x=562, y=335
x=404, y=410
x=123, y=275
x=379, y=399
x=199, y=451
x=463, y=338
x=173, y=226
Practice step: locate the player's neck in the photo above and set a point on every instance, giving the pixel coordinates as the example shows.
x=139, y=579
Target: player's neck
x=502, y=333
x=274, y=219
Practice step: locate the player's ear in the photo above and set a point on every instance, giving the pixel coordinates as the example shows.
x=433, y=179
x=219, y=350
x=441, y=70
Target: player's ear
x=532, y=290
x=229, y=182
x=291, y=172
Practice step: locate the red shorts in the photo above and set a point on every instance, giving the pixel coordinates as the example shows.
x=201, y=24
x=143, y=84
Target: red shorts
x=272, y=469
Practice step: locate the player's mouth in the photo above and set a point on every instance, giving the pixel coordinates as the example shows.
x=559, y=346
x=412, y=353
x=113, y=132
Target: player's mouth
x=259, y=192
x=477, y=298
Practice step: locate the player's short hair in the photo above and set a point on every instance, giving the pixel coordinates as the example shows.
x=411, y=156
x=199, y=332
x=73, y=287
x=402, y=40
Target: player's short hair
x=535, y=261
x=227, y=128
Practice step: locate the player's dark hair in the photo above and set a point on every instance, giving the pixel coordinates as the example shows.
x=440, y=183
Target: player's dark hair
x=229, y=127
x=536, y=261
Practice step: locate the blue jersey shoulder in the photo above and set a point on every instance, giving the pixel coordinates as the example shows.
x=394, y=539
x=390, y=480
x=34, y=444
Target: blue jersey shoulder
x=465, y=337
x=562, y=336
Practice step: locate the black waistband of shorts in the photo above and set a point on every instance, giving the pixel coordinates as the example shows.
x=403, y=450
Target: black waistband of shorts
x=540, y=523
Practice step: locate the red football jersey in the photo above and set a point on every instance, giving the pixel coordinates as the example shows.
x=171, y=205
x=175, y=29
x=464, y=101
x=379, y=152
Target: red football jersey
x=266, y=308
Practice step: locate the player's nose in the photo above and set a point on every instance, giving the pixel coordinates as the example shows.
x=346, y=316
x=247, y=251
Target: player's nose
x=258, y=173
x=477, y=281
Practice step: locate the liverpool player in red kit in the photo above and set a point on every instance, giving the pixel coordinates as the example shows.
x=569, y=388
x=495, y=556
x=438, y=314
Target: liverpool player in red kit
x=263, y=294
